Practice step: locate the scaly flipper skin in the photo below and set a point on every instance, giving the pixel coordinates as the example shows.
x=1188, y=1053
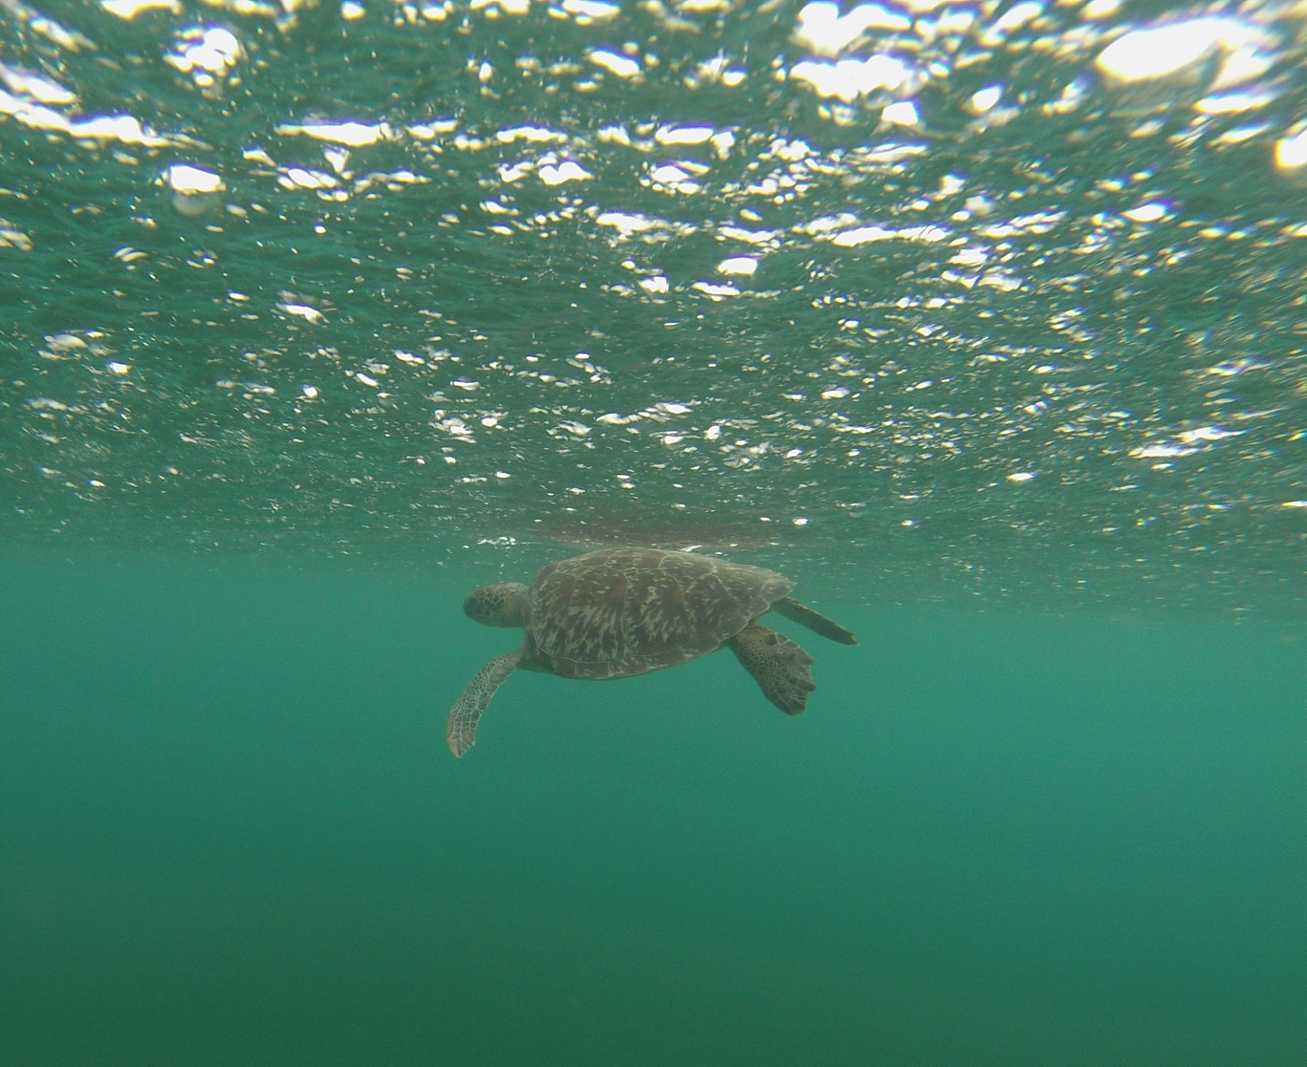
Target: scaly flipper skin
x=461, y=727
x=780, y=667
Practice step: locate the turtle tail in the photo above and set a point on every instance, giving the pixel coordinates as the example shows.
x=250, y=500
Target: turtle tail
x=814, y=621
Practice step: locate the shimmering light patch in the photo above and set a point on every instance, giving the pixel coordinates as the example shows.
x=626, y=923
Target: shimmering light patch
x=300, y=178
x=1291, y=152
x=586, y=12
x=823, y=30
x=892, y=352
x=1166, y=51
x=530, y=134
x=1160, y=452
x=351, y=134
x=1039, y=223
x=206, y=53
x=862, y=235
x=13, y=238
x=1233, y=103
x=984, y=99
x=257, y=8
x=66, y=342
x=716, y=70
x=619, y=65
x=683, y=134
x=1002, y=281
x=1013, y=19
x=126, y=129
x=851, y=78
x=39, y=88
x=901, y=113
x=428, y=131
x=624, y=223
x=673, y=174
x=741, y=265
x=391, y=179
x=195, y=190
x=183, y=178
x=1233, y=367
x=510, y=173
x=1240, y=134
x=614, y=135
x=750, y=237
x=304, y=311
x=1150, y=212
x=722, y=143
x=129, y=9
x=1206, y=433
x=826, y=224
x=567, y=171
x=1100, y=9
x=715, y=290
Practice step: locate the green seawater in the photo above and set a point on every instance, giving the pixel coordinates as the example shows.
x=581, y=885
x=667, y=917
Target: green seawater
x=233, y=835
x=982, y=322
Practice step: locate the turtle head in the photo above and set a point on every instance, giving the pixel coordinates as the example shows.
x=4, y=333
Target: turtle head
x=501, y=604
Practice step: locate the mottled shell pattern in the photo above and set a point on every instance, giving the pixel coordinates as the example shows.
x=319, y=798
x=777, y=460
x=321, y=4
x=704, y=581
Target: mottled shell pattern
x=625, y=611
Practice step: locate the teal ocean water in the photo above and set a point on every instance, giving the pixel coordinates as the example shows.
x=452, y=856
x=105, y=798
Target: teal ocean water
x=982, y=322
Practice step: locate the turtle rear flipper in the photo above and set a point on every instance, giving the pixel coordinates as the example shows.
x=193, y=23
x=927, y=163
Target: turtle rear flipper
x=814, y=621
x=461, y=727
x=780, y=667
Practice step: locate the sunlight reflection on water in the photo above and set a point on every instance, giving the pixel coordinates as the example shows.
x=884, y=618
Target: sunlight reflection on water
x=937, y=282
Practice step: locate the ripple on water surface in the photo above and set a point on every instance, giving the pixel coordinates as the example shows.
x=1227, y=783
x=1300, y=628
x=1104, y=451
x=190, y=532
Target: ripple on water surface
x=957, y=299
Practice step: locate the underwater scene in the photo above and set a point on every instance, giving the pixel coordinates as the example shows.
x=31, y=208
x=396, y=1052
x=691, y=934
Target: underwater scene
x=653, y=532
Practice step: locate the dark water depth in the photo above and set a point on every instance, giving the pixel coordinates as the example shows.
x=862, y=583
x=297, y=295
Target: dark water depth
x=231, y=834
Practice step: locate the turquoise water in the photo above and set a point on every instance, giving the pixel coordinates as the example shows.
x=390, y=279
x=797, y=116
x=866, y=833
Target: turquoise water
x=233, y=835
x=981, y=322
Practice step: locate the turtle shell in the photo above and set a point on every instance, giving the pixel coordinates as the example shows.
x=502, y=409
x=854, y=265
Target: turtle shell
x=622, y=611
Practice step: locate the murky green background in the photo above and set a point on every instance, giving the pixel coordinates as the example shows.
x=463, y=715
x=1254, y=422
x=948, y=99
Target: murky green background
x=984, y=322
x=233, y=835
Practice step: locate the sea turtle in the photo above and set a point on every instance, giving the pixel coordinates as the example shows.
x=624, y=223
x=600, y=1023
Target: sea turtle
x=623, y=611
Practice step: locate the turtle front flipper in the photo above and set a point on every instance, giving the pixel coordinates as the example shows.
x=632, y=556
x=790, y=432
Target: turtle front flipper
x=780, y=667
x=461, y=727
